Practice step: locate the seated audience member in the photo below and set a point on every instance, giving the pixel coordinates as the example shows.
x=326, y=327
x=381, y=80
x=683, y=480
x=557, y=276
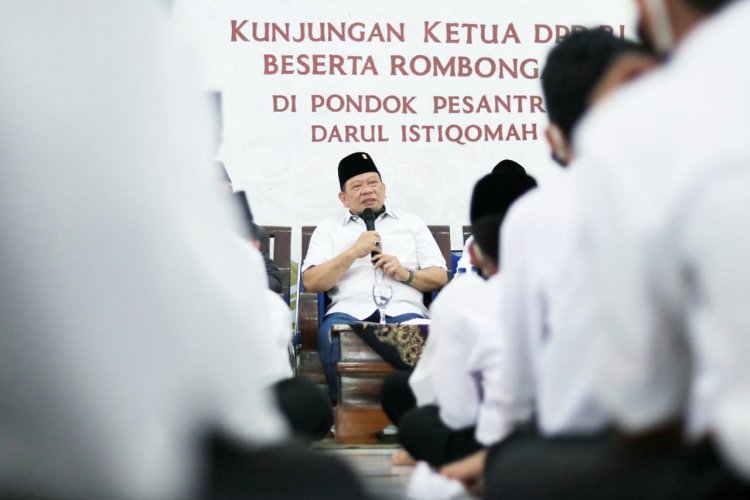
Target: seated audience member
x=127, y=308
x=508, y=166
x=273, y=273
x=339, y=259
x=547, y=309
x=463, y=345
x=259, y=236
x=307, y=410
x=464, y=264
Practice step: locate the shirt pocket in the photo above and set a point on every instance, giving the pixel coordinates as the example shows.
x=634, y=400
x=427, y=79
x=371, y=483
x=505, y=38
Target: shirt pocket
x=402, y=244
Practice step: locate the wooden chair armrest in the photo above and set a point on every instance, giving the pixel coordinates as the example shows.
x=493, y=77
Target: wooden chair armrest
x=309, y=321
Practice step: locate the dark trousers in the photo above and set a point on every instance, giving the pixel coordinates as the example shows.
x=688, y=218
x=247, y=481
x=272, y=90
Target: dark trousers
x=235, y=472
x=306, y=408
x=396, y=396
x=427, y=438
x=330, y=349
x=530, y=467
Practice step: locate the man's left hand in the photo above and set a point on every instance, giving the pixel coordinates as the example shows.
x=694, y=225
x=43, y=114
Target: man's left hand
x=391, y=267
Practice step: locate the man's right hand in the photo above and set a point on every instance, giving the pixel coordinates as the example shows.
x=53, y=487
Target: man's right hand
x=369, y=241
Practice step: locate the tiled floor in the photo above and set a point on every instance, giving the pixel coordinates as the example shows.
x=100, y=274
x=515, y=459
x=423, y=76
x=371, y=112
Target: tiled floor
x=373, y=464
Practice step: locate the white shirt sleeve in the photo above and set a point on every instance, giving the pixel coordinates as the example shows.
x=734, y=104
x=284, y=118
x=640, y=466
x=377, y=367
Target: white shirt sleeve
x=419, y=380
x=428, y=252
x=456, y=388
x=716, y=245
x=486, y=360
x=320, y=250
x=511, y=388
x=279, y=336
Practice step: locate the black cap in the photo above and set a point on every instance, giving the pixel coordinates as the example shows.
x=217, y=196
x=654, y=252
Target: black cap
x=494, y=193
x=355, y=164
x=507, y=166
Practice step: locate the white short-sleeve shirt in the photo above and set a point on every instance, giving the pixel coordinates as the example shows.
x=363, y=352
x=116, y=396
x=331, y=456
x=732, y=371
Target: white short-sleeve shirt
x=402, y=234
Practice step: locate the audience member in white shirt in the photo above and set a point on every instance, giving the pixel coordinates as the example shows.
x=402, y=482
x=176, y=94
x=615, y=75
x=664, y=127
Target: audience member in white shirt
x=668, y=255
x=547, y=309
x=126, y=305
x=452, y=418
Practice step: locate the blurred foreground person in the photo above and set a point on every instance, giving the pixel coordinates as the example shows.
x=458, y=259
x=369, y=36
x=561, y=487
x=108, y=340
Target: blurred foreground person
x=126, y=305
x=306, y=407
x=667, y=165
x=547, y=308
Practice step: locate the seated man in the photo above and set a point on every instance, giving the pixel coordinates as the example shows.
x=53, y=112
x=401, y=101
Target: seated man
x=344, y=259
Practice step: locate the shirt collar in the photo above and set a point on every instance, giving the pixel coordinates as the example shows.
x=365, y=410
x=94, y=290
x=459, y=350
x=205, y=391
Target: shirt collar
x=348, y=217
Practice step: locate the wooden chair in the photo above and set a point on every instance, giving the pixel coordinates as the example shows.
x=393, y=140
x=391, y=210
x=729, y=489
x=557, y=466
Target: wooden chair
x=311, y=310
x=467, y=232
x=279, y=248
x=359, y=415
x=442, y=235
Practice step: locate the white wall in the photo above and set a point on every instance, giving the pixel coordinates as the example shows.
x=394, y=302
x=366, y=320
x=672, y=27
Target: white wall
x=292, y=180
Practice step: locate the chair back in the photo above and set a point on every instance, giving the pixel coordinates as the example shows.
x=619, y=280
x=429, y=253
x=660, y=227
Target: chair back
x=307, y=232
x=442, y=235
x=467, y=232
x=312, y=306
x=279, y=248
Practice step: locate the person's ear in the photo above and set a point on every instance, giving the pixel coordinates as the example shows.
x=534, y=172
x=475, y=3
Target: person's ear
x=558, y=144
x=475, y=255
x=658, y=21
x=342, y=199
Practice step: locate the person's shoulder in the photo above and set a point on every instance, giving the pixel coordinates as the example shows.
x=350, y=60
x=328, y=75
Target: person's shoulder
x=330, y=223
x=619, y=118
x=459, y=304
x=457, y=290
x=531, y=206
x=405, y=217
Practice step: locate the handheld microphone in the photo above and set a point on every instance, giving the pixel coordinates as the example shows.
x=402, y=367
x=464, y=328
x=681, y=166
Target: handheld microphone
x=369, y=217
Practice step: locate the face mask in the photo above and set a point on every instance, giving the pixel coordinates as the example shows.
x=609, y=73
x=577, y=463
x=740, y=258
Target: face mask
x=663, y=37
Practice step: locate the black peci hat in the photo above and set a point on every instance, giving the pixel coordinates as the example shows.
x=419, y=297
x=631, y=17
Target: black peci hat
x=508, y=166
x=355, y=164
x=494, y=193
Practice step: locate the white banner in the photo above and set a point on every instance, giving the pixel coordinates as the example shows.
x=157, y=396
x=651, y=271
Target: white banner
x=436, y=92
